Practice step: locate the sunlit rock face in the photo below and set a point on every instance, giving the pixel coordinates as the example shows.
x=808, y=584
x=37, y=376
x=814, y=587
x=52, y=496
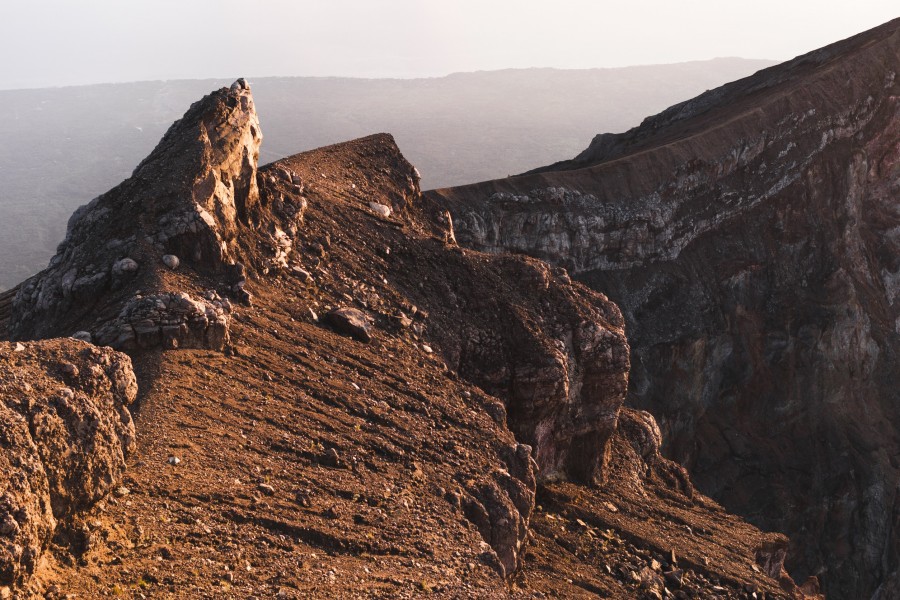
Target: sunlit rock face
x=751, y=237
x=188, y=199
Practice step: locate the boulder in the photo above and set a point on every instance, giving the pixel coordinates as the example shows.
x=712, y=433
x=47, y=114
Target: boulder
x=351, y=322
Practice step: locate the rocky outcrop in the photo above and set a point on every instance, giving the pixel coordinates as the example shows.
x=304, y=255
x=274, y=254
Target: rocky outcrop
x=560, y=364
x=173, y=320
x=749, y=237
x=187, y=200
x=645, y=460
x=500, y=505
x=65, y=429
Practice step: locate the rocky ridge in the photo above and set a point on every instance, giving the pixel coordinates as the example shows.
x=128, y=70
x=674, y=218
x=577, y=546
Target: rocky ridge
x=749, y=237
x=459, y=431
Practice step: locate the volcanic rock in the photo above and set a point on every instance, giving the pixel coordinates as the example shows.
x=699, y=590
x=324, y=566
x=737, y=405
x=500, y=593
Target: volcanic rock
x=188, y=198
x=484, y=465
x=349, y=321
x=749, y=237
x=173, y=320
x=562, y=370
x=65, y=432
x=171, y=261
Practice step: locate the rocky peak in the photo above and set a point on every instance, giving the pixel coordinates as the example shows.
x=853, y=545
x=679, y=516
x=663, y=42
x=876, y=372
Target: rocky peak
x=183, y=207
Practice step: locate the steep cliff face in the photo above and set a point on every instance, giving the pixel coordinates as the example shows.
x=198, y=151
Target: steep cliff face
x=339, y=401
x=750, y=238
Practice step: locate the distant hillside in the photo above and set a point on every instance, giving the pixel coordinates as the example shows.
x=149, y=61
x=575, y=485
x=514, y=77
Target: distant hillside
x=64, y=146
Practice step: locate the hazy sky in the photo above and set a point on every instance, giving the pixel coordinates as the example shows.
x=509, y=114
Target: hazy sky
x=65, y=42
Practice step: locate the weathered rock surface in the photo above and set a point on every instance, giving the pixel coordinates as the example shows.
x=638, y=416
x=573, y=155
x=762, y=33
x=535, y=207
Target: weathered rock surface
x=552, y=350
x=351, y=322
x=65, y=429
x=750, y=238
x=500, y=505
x=188, y=199
x=173, y=320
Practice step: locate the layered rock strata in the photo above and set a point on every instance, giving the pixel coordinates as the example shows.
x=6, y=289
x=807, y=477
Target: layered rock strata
x=749, y=237
x=562, y=369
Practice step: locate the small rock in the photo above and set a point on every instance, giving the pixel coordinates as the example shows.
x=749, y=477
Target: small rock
x=675, y=577
x=126, y=265
x=9, y=527
x=84, y=336
x=174, y=460
x=313, y=315
x=610, y=507
x=171, y=261
x=266, y=489
x=19, y=347
x=380, y=209
x=351, y=322
x=69, y=370
x=332, y=458
x=402, y=320
x=650, y=580
x=301, y=274
x=427, y=349
x=303, y=498
x=121, y=491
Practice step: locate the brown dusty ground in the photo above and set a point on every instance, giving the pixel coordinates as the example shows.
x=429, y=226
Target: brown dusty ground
x=310, y=465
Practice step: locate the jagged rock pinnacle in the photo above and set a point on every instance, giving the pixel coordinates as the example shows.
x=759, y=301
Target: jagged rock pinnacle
x=189, y=199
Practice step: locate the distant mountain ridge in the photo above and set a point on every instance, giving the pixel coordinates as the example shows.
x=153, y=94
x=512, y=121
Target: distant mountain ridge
x=64, y=146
